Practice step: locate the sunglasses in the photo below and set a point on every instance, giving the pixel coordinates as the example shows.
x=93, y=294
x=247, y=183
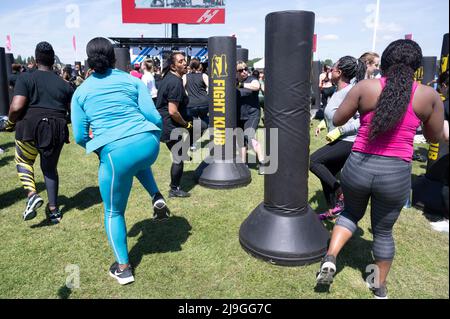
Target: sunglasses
x=242, y=70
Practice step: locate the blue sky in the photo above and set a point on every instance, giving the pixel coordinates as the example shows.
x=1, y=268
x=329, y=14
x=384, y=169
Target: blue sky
x=343, y=27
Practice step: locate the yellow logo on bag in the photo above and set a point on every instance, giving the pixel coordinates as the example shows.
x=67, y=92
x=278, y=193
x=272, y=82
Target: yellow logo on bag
x=219, y=66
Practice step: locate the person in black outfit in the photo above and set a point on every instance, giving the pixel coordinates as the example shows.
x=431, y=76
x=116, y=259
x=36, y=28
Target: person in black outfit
x=249, y=111
x=38, y=114
x=196, y=85
x=171, y=103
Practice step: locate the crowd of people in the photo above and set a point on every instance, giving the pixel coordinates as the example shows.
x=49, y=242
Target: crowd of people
x=371, y=118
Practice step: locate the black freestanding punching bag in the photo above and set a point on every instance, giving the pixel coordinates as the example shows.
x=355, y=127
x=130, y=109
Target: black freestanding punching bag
x=429, y=69
x=222, y=170
x=4, y=96
x=284, y=229
x=123, y=61
x=430, y=191
x=9, y=62
x=242, y=54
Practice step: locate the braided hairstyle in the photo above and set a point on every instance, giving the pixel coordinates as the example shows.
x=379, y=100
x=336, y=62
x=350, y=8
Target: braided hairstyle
x=100, y=54
x=351, y=68
x=399, y=61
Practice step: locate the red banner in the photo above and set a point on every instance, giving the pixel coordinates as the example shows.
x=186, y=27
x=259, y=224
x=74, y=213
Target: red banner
x=408, y=36
x=212, y=13
x=74, y=43
x=8, y=43
x=315, y=43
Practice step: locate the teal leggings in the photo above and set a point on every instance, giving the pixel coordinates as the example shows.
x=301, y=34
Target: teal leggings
x=120, y=161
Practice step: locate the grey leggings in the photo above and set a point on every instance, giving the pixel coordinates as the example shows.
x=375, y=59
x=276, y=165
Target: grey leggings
x=387, y=182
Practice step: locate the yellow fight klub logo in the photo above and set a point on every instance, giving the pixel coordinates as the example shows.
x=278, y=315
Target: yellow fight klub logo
x=219, y=66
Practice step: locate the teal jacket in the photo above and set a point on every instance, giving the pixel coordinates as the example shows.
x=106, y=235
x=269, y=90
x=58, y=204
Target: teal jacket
x=114, y=105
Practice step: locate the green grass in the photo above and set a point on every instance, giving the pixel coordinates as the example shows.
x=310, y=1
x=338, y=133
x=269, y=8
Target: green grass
x=196, y=254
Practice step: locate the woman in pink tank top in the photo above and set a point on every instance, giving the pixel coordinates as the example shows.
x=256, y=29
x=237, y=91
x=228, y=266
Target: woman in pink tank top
x=379, y=167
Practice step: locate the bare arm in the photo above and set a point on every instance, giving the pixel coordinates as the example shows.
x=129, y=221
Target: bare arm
x=434, y=124
x=206, y=80
x=18, y=105
x=348, y=107
x=252, y=86
x=175, y=115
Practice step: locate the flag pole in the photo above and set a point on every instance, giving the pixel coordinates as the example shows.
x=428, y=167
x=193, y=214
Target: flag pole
x=377, y=16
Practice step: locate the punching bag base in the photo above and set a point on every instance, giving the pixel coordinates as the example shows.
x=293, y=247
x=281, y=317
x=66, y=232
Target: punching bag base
x=223, y=174
x=284, y=238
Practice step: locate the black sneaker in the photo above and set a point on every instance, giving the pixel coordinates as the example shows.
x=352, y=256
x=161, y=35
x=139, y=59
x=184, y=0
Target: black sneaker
x=123, y=276
x=327, y=270
x=33, y=202
x=54, y=216
x=380, y=292
x=177, y=192
x=160, y=209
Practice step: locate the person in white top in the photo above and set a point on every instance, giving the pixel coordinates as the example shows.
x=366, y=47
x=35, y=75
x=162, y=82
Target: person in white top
x=147, y=67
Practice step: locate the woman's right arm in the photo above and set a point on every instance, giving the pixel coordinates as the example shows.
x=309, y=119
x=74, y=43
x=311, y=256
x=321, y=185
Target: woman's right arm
x=80, y=124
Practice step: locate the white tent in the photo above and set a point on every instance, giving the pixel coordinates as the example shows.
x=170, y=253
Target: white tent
x=259, y=64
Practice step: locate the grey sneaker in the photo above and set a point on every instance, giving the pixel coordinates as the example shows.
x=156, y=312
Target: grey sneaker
x=123, y=276
x=177, y=192
x=327, y=270
x=380, y=292
x=34, y=202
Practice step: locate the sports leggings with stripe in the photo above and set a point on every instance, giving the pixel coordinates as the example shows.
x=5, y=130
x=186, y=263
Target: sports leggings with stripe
x=120, y=161
x=387, y=182
x=25, y=156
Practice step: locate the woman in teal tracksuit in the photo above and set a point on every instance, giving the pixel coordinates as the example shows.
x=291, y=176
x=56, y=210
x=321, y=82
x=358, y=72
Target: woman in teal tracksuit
x=126, y=128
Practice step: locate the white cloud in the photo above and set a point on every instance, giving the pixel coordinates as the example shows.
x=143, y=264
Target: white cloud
x=328, y=20
x=330, y=37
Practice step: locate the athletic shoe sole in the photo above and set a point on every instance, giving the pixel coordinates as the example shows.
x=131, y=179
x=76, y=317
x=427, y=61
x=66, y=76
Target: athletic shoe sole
x=372, y=289
x=326, y=274
x=160, y=210
x=122, y=281
x=30, y=212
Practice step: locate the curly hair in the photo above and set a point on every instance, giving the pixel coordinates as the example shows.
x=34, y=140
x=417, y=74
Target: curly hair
x=399, y=61
x=351, y=68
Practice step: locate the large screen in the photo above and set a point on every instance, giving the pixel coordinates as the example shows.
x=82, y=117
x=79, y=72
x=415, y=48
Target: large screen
x=173, y=11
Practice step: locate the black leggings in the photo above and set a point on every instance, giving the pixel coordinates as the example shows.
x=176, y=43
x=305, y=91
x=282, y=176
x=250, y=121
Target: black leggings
x=326, y=162
x=179, y=154
x=25, y=157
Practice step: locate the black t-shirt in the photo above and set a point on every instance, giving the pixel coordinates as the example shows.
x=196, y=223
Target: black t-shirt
x=196, y=89
x=248, y=101
x=171, y=90
x=44, y=89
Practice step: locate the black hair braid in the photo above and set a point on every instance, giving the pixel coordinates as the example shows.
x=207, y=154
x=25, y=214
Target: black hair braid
x=351, y=68
x=398, y=63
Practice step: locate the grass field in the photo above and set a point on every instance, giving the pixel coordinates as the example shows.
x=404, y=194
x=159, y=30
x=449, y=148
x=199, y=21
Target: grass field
x=195, y=254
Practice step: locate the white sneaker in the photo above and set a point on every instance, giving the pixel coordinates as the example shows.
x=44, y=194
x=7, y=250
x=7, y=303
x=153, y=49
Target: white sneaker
x=440, y=226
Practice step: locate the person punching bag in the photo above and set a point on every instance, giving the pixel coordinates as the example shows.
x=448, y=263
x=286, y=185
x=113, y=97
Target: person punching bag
x=222, y=170
x=4, y=96
x=242, y=55
x=284, y=229
x=123, y=61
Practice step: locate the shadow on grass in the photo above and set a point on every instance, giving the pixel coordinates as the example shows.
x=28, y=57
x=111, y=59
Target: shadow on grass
x=188, y=181
x=6, y=146
x=5, y=160
x=158, y=237
x=13, y=196
x=84, y=199
x=64, y=292
x=356, y=254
